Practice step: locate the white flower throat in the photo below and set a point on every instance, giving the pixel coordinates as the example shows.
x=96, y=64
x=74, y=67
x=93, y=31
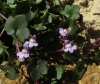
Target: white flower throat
x=32, y=40
x=65, y=30
x=24, y=50
x=68, y=45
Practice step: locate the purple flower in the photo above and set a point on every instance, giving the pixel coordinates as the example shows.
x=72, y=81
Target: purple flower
x=32, y=42
x=68, y=46
x=23, y=54
x=26, y=44
x=64, y=32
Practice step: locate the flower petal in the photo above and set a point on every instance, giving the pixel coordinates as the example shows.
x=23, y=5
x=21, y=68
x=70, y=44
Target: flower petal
x=66, y=50
x=35, y=44
x=20, y=54
x=26, y=55
x=26, y=44
x=31, y=45
x=69, y=29
x=66, y=41
x=34, y=36
x=61, y=29
x=74, y=47
x=71, y=50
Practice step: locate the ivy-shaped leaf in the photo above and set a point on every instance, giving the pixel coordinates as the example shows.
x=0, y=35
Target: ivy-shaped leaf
x=60, y=71
x=66, y=12
x=22, y=34
x=53, y=16
x=20, y=21
x=9, y=25
x=71, y=12
x=37, y=68
x=30, y=15
x=74, y=28
x=11, y=73
x=56, y=2
x=44, y=18
x=80, y=69
x=39, y=27
x=10, y=1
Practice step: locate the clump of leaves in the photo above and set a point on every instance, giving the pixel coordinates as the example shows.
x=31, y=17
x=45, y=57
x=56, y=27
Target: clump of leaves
x=37, y=68
x=10, y=72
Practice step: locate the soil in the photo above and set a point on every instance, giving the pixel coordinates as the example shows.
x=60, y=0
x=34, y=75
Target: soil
x=90, y=9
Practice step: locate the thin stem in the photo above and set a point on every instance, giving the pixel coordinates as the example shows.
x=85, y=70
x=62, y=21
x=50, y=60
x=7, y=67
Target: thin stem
x=1, y=32
x=17, y=46
x=3, y=28
x=3, y=16
x=94, y=45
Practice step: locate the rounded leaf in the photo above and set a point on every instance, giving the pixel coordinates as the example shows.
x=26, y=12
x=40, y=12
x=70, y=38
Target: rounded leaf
x=23, y=34
x=9, y=25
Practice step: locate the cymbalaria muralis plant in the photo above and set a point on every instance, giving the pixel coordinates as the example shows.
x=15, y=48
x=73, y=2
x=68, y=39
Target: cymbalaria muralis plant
x=45, y=36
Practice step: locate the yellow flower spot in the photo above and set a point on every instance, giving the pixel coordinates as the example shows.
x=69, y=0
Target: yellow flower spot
x=32, y=40
x=68, y=45
x=65, y=30
x=24, y=50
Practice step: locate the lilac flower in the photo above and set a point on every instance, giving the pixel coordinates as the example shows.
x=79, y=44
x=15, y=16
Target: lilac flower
x=68, y=46
x=32, y=42
x=23, y=54
x=26, y=44
x=64, y=32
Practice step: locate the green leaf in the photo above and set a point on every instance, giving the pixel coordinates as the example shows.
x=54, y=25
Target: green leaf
x=50, y=19
x=36, y=1
x=39, y=27
x=64, y=24
x=20, y=21
x=56, y=2
x=3, y=68
x=10, y=1
x=53, y=16
x=11, y=73
x=78, y=74
x=75, y=16
x=44, y=18
x=67, y=11
x=9, y=25
x=74, y=28
x=97, y=56
x=60, y=71
x=12, y=5
x=37, y=68
x=23, y=34
x=1, y=47
x=75, y=9
x=71, y=12
x=30, y=15
x=47, y=5
x=80, y=69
